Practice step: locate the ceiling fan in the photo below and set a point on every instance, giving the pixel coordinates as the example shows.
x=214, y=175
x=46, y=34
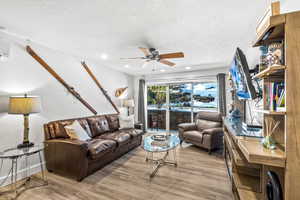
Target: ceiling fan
x=153, y=54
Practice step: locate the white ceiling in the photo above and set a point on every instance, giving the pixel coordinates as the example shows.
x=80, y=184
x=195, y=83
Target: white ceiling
x=206, y=31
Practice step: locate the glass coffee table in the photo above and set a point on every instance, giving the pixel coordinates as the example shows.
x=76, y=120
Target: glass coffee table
x=16, y=156
x=152, y=146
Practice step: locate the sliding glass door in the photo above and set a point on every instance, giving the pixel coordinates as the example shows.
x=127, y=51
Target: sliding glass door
x=157, y=107
x=180, y=106
x=171, y=104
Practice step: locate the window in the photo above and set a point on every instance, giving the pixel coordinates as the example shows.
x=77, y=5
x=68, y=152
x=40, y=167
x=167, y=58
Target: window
x=205, y=96
x=175, y=103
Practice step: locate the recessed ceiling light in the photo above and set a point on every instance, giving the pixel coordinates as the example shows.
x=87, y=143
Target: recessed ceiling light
x=126, y=66
x=104, y=56
x=187, y=67
x=162, y=70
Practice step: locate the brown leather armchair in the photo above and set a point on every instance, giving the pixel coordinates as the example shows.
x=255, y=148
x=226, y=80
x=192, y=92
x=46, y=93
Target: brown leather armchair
x=205, y=132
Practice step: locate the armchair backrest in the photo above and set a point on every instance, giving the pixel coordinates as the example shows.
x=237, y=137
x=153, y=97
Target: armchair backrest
x=205, y=120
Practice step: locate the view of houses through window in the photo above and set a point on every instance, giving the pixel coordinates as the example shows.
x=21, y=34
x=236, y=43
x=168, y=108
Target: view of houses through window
x=172, y=104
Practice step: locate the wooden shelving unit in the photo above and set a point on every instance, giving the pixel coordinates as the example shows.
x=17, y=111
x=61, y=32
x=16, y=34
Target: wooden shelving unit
x=272, y=70
x=249, y=195
x=268, y=112
x=246, y=182
x=285, y=159
x=256, y=153
x=276, y=23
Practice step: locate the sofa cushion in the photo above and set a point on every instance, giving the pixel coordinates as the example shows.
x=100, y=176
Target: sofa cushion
x=57, y=130
x=205, y=124
x=98, y=125
x=99, y=147
x=132, y=132
x=193, y=135
x=113, y=121
x=120, y=137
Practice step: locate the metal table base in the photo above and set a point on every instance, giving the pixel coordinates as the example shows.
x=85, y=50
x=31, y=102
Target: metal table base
x=161, y=162
x=18, y=187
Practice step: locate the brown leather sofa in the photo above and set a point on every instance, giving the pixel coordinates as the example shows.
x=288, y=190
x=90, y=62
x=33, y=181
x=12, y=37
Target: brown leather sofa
x=205, y=132
x=78, y=159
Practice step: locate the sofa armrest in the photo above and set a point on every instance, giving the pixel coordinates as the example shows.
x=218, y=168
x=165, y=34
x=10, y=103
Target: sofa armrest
x=139, y=126
x=187, y=126
x=71, y=142
x=67, y=157
x=213, y=131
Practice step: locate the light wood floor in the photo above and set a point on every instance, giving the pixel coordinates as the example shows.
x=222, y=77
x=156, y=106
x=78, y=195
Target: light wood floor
x=199, y=176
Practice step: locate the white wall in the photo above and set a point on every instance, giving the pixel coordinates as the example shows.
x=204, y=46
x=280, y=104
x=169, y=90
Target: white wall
x=22, y=74
x=289, y=6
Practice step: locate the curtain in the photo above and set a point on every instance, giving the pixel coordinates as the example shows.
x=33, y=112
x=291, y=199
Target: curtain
x=141, y=103
x=221, y=93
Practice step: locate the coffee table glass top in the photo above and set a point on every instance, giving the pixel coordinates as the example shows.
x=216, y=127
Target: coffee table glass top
x=15, y=152
x=160, y=146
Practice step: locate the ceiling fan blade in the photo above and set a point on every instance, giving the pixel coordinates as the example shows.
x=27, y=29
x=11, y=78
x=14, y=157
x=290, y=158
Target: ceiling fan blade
x=166, y=62
x=172, y=55
x=145, y=51
x=132, y=58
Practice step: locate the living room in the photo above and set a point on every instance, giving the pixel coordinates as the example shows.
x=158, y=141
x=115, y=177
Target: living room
x=149, y=100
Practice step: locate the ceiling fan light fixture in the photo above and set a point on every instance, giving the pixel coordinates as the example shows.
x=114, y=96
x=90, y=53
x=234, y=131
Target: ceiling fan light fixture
x=187, y=67
x=104, y=56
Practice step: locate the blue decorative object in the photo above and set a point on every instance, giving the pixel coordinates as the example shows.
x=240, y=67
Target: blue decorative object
x=235, y=114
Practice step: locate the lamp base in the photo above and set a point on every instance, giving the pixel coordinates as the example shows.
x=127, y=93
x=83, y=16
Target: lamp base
x=25, y=145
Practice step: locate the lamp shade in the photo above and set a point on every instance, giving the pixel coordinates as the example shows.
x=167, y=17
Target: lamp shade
x=129, y=103
x=24, y=105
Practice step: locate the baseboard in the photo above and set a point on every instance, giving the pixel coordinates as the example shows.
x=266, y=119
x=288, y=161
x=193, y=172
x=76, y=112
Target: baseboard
x=34, y=169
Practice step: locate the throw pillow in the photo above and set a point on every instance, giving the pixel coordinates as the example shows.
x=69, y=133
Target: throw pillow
x=126, y=122
x=75, y=131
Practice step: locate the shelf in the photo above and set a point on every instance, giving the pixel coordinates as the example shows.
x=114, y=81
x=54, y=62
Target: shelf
x=268, y=112
x=256, y=153
x=241, y=161
x=270, y=71
x=249, y=195
x=237, y=155
x=272, y=24
x=246, y=182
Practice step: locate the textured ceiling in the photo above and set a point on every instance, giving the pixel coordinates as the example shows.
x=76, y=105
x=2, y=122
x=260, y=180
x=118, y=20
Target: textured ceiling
x=206, y=31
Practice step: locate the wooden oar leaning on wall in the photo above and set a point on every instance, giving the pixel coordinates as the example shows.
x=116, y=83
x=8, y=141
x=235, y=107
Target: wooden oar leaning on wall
x=99, y=86
x=59, y=79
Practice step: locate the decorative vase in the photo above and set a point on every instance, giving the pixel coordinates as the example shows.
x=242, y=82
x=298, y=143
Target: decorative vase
x=268, y=142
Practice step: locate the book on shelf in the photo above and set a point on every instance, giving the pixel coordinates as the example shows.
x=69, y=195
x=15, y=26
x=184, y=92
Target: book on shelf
x=276, y=99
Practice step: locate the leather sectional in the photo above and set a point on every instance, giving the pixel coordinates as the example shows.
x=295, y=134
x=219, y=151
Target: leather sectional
x=78, y=159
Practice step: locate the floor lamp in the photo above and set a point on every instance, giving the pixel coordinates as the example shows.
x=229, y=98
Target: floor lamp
x=25, y=105
x=128, y=103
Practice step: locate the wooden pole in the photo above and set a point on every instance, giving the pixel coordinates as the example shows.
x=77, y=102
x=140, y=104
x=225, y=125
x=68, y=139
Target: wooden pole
x=59, y=79
x=99, y=86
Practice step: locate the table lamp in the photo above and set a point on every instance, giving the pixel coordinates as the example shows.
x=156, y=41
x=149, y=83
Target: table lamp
x=25, y=105
x=129, y=103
